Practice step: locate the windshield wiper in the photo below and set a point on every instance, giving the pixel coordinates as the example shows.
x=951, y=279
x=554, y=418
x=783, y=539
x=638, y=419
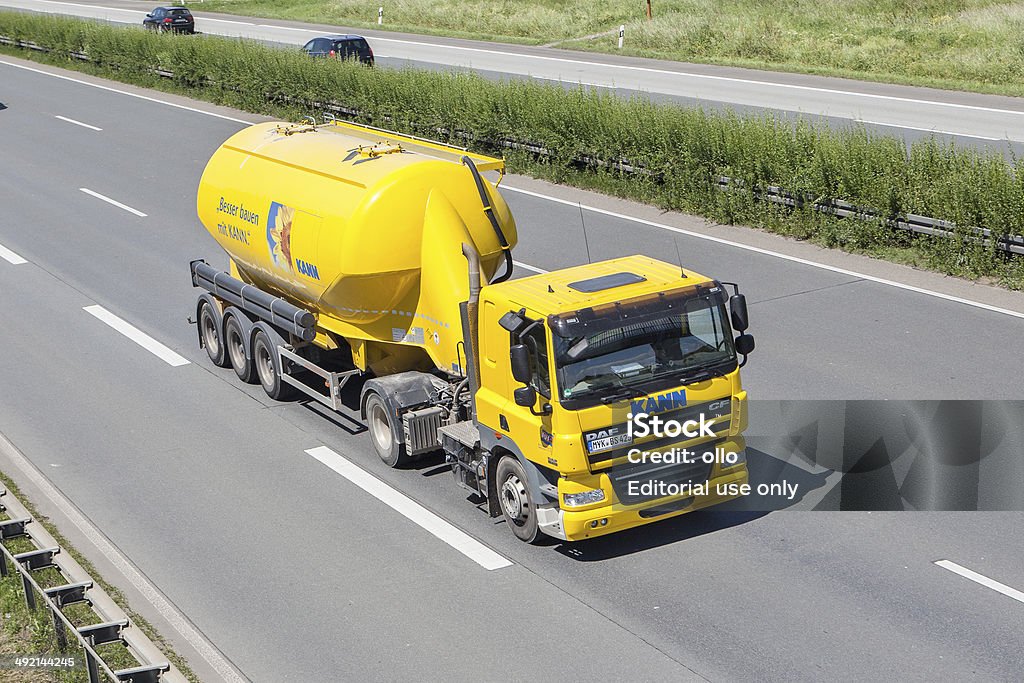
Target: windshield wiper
x=622, y=391
x=700, y=374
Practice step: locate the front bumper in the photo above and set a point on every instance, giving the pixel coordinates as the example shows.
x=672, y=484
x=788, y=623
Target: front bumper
x=575, y=525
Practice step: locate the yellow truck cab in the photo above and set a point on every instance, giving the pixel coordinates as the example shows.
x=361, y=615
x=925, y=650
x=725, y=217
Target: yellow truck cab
x=359, y=254
x=603, y=342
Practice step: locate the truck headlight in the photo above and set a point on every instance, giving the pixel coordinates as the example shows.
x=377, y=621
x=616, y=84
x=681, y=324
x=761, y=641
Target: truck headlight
x=575, y=500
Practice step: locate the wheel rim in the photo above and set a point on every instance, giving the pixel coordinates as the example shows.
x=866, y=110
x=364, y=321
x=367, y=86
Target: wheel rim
x=265, y=366
x=514, y=500
x=380, y=428
x=235, y=348
x=210, y=337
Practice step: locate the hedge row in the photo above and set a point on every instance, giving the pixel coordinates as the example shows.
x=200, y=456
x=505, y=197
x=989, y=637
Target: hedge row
x=683, y=150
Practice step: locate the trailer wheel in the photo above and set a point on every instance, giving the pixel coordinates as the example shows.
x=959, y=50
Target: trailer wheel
x=516, y=501
x=382, y=432
x=267, y=368
x=212, y=341
x=240, y=363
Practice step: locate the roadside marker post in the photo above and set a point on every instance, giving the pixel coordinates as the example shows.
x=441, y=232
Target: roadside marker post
x=380, y=16
x=622, y=33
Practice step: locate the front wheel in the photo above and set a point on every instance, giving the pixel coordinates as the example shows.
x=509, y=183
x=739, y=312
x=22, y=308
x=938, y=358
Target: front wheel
x=382, y=432
x=517, y=504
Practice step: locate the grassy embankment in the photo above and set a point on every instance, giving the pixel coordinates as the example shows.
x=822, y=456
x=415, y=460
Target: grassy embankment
x=961, y=44
x=684, y=151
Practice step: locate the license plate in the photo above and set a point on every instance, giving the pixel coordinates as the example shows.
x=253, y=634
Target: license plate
x=608, y=442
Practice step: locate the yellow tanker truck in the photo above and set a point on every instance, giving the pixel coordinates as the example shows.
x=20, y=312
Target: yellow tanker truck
x=361, y=254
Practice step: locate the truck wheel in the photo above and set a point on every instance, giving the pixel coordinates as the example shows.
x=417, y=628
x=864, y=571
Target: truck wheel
x=240, y=363
x=212, y=341
x=382, y=433
x=516, y=501
x=263, y=355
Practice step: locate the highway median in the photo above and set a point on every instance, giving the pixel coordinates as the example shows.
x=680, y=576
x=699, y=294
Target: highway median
x=841, y=188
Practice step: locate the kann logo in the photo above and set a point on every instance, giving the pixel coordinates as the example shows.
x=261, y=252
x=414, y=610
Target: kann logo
x=659, y=404
x=307, y=269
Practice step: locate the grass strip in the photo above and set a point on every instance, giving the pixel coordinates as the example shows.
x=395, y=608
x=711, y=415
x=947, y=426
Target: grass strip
x=683, y=150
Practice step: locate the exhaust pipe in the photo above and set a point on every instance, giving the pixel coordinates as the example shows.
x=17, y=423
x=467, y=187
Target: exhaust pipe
x=470, y=336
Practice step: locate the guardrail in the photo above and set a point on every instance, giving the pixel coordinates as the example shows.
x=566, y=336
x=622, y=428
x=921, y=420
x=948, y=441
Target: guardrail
x=79, y=588
x=913, y=223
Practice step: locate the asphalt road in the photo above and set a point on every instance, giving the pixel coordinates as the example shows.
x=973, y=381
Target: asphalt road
x=297, y=574
x=980, y=120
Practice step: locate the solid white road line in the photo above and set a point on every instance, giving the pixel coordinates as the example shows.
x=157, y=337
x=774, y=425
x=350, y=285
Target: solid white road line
x=9, y=256
x=775, y=254
x=136, y=335
x=527, y=266
x=766, y=252
x=108, y=200
x=77, y=123
x=125, y=92
x=447, y=532
x=982, y=579
x=929, y=130
x=178, y=621
x=290, y=28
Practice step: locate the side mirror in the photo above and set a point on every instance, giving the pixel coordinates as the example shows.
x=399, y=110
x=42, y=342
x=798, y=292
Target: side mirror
x=738, y=310
x=149, y=16
x=520, y=357
x=525, y=396
x=744, y=344
x=512, y=321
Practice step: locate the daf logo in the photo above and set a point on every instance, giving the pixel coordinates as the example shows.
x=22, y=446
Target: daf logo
x=603, y=433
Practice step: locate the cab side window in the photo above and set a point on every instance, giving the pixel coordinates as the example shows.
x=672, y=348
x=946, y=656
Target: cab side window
x=538, y=346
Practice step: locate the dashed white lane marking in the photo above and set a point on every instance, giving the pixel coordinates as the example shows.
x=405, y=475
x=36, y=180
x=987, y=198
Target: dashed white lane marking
x=442, y=529
x=9, y=256
x=77, y=123
x=982, y=579
x=136, y=335
x=527, y=266
x=108, y=200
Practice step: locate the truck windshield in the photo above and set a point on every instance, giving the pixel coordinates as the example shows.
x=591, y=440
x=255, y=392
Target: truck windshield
x=632, y=351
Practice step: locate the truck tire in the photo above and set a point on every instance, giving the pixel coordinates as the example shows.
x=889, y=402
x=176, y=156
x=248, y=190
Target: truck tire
x=213, y=342
x=268, y=368
x=383, y=434
x=515, y=499
x=235, y=342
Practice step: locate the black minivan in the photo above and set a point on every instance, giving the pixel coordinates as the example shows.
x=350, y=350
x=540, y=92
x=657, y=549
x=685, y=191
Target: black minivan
x=340, y=47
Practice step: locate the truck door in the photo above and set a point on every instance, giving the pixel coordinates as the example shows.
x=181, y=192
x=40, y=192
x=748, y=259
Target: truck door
x=530, y=431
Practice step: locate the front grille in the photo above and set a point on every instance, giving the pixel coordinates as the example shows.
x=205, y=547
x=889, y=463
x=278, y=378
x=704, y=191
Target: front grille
x=642, y=473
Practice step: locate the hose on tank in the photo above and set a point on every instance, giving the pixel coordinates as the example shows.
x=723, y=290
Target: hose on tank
x=489, y=211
